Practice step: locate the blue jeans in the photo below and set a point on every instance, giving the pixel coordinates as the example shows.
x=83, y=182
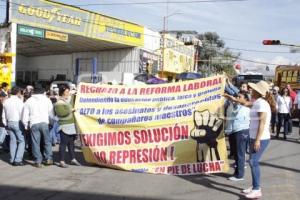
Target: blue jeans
x=38, y=131
x=17, y=142
x=55, y=133
x=274, y=121
x=242, y=138
x=254, y=161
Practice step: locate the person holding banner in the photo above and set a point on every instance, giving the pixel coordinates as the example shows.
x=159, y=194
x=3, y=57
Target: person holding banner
x=65, y=113
x=260, y=117
x=238, y=125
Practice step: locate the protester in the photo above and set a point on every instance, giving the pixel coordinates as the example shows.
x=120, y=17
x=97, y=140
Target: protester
x=5, y=88
x=239, y=122
x=3, y=132
x=27, y=92
x=13, y=107
x=64, y=111
x=274, y=118
x=230, y=89
x=293, y=94
x=297, y=109
x=260, y=117
x=244, y=87
x=38, y=109
x=229, y=132
x=284, y=107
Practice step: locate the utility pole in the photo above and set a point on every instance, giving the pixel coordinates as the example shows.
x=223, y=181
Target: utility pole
x=163, y=40
x=163, y=47
x=7, y=12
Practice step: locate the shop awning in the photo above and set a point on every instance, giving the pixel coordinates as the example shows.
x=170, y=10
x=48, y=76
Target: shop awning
x=35, y=46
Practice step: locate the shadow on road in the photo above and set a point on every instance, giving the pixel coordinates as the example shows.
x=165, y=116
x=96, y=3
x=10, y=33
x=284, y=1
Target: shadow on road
x=4, y=156
x=206, y=181
x=292, y=140
x=279, y=167
x=24, y=193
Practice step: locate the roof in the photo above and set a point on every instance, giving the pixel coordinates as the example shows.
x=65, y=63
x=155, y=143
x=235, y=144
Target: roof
x=90, y=11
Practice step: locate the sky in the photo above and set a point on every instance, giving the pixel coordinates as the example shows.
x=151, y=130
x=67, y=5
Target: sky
x=242, y=25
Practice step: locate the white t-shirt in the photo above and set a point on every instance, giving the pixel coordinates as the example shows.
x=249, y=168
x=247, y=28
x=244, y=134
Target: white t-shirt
x=260, y=105
x=297, y=101
x=284, y=104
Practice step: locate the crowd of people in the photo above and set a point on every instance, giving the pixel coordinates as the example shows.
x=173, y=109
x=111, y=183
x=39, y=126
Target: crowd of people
x=32, y=120
x=253, y=112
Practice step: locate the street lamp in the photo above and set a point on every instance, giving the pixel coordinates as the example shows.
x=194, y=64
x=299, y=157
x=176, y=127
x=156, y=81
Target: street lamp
x=163, y=39
x=166, y=17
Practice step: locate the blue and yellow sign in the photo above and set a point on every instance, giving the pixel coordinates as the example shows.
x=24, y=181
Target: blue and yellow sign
x=68, y=19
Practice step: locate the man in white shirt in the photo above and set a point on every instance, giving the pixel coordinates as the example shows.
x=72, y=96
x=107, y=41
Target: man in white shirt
x=38, y=110
x=12, y=108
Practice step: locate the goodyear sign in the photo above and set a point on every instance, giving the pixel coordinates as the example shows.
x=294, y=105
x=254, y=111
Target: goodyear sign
x=62, y=18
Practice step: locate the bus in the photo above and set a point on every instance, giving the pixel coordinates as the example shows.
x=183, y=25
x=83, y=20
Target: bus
x=246, y=78
x=287, y=75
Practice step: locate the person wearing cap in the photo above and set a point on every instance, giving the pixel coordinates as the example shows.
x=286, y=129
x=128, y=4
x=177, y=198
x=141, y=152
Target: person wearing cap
x=284, y=107
x=12, y=108
x=260, y=117
x=274, y=118
x=37, y=113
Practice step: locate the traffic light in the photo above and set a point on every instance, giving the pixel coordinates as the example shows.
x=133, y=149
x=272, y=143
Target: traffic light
x=271, y=42
x=189, y=43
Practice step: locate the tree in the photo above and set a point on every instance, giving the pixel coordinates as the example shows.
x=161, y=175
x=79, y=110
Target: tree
x=213, y=56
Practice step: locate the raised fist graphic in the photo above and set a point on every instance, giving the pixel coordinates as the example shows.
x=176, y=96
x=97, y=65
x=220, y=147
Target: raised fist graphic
x=207, y=129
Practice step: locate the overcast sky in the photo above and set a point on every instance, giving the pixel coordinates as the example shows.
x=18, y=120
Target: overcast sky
x=241, y=25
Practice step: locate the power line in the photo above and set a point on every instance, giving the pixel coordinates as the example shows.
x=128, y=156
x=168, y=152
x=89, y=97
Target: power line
x=158, y=2
x=237, y=40
x=259, y=51
x=147, y=3
x=240, y=49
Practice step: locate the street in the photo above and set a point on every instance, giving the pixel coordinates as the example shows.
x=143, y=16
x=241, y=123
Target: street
x=280, y=171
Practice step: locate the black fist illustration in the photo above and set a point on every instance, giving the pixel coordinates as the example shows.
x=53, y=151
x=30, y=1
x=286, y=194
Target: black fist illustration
x=207, y=129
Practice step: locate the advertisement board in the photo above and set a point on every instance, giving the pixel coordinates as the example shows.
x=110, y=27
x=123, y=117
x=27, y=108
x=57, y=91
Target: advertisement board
x=69, y=19
x=6, y=68
x=178, y=58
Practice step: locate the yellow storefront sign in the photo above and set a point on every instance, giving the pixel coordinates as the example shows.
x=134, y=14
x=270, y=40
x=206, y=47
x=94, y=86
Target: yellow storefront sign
x=59, y=17
x=56, y=36
x=174, y=128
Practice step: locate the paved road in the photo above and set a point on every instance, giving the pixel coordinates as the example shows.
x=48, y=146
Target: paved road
x=280, y=180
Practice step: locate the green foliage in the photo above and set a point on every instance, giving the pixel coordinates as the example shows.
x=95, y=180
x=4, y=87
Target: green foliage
x=213, y=56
